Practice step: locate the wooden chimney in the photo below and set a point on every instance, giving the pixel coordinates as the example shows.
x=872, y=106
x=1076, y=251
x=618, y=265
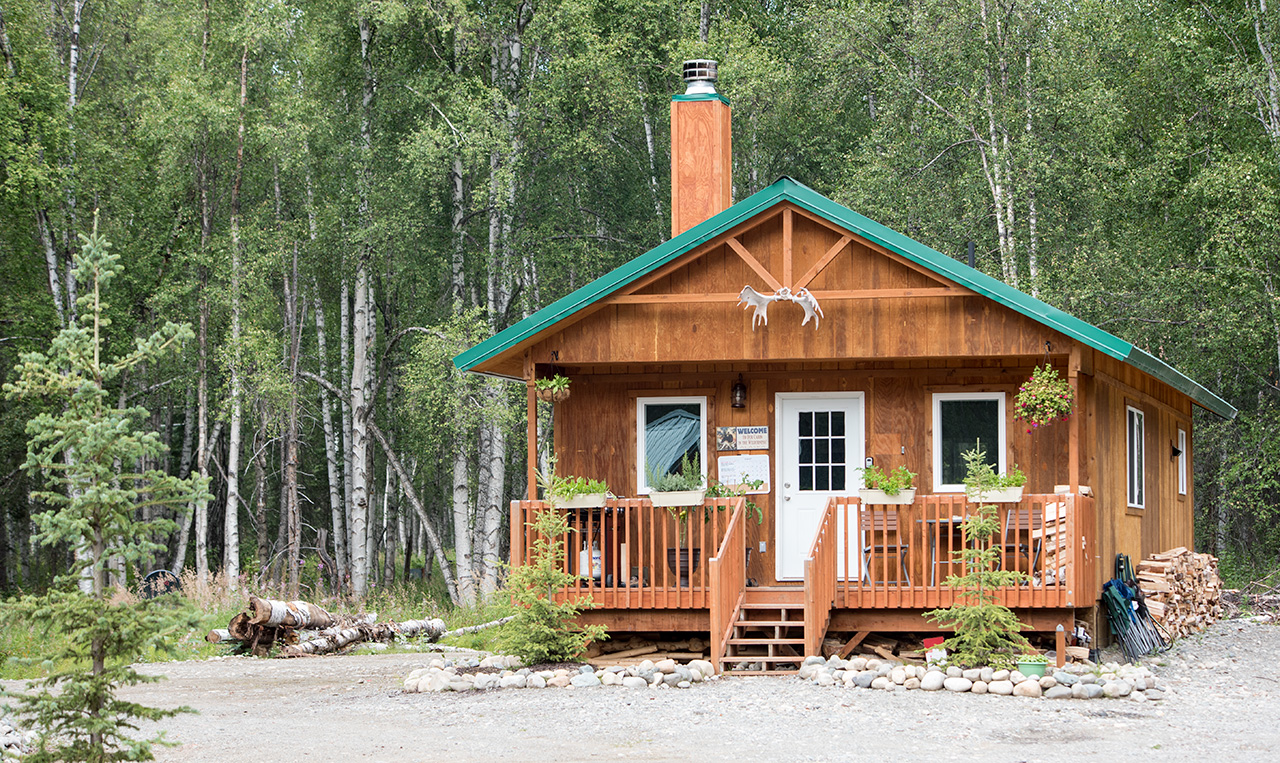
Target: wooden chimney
x=701, y=149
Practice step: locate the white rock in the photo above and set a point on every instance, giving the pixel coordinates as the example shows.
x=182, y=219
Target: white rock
x=933, y=680
x=979, y=687
x=646, y=665
x=954, y=672
x=912, y=683
x=826, y=679
x=513, y=681
x=635, y=682
x=611, y=679
x=1028, y=688
x=898, y=675
x=1017, y=677
x=858, y=664
x=536, y=681
x=999, y=675
x=665, y=666
x=987, y=675
x=1002, y=687
x=973, y=674
x=1048, y=682
x=957, y=684
x=881, y=682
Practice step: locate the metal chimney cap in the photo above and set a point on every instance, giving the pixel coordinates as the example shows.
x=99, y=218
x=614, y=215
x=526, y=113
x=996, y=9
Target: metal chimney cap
x=700, y=76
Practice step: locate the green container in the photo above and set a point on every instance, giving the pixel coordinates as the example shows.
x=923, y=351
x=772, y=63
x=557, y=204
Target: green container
x=1032, y=668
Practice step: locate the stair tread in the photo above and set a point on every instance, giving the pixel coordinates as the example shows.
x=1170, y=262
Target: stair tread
x=770, y=623
x=764, y=641
x=760, y=672
x=762, y=658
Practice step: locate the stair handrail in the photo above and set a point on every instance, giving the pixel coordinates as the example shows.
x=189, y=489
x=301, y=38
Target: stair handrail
x=820, y=581
x=728, y=581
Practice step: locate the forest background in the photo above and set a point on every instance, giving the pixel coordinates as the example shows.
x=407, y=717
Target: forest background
x=339, y=196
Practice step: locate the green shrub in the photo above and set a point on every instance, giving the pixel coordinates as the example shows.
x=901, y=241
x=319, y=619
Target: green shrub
x=545, y=630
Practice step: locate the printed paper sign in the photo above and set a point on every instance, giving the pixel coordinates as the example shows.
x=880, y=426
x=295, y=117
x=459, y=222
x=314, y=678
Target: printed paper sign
x=736, y=470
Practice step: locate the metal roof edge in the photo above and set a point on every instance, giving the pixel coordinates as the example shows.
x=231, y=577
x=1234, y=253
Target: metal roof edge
x=702, y=97
x=1145, y=361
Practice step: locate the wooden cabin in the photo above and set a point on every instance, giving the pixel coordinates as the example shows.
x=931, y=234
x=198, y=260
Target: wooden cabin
x=908, y=358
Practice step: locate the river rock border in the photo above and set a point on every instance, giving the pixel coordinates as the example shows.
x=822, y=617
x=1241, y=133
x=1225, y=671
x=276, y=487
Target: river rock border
x=1074, y=681
x=509, y=673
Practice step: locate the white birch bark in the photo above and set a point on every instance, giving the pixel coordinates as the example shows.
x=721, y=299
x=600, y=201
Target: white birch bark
x=231, y=528
x=330, y=445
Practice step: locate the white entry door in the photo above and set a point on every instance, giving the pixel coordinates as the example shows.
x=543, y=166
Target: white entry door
x=821, y=445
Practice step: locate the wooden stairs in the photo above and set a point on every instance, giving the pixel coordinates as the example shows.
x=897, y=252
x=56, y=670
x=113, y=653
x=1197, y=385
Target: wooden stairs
x=768, y=636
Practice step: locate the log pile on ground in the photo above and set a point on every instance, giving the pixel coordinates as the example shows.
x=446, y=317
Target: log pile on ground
x=300, y=628
x=1182, y=590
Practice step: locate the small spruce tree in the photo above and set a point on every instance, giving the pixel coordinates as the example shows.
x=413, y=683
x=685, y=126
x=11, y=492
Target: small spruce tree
x=545, y=630
x=90, y=454
x=986, y=633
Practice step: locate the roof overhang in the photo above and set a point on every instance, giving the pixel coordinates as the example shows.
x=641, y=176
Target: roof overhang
x=787, y=190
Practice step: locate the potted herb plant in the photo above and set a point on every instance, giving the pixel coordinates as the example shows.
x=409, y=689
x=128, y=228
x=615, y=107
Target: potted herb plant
x=1032, y=664
x=679, y=493
x=989, y=487
x=683, y=488
x=572, y=492
x=895, y=487
x=1044, y=399
x=718, y=489
x=552, y=389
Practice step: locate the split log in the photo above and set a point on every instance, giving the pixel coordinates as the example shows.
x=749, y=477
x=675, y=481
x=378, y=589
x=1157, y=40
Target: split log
x=219, y=635
x=240, y=628
x=290, y=614
x=1181, y=589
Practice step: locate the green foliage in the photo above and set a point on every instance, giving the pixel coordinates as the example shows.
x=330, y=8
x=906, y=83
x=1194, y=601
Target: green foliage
x=875, y=478
x=92, y=458
x=688, y=477
x=1044, y=398
x=544, y=630
x=563, y=488
x=555, y=383
x=986, y=633
x=718, y=489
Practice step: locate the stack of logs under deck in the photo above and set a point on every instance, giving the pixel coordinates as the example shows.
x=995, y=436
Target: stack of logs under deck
x=1182, y=590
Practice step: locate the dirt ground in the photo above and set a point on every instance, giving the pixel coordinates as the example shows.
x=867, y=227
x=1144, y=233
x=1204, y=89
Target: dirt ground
x=1223, y=702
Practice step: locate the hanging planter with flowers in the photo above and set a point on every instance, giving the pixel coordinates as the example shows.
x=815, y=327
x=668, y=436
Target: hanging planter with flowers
x=1044, y=398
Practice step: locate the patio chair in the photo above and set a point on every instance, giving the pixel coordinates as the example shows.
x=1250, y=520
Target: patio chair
x=882, y=537
x=1016, y=523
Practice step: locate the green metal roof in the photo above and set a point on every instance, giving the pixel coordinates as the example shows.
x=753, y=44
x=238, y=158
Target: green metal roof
x=701, y=97
x=786, y=189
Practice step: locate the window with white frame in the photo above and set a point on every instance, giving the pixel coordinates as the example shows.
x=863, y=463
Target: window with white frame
x=1182, y=462
x=1137, y=456
x=667, y=430
x=963, y=421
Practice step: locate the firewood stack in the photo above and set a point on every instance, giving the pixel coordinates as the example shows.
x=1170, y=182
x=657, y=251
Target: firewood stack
x=1182, y=590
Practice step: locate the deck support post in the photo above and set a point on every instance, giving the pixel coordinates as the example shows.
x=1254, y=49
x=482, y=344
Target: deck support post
x=531, y=393
x=1073, y=437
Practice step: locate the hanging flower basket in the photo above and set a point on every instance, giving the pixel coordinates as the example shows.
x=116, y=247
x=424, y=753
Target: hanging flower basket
x=1044, y=399
x=553, y=395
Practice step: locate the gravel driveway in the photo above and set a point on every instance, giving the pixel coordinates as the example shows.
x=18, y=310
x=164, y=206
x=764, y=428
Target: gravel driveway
x=1224, y=700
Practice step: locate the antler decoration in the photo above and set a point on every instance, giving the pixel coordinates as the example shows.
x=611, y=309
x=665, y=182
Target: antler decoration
x=760, y=302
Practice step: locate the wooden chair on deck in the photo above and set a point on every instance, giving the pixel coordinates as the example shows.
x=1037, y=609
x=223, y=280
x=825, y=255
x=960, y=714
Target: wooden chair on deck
x=1016, y=523
x=881, y=537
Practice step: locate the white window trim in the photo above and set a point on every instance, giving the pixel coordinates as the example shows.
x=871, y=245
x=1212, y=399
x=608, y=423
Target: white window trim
x=1001, y=447
x=1182, y=461
x=642, y=479
x=1132, y=485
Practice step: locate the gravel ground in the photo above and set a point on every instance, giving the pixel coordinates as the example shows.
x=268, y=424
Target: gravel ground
x=1224, y=693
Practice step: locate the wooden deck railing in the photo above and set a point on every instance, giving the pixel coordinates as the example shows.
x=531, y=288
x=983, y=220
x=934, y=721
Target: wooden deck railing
x=645, y=561
x=728, y=581
x=899, y=556
x=820, y=581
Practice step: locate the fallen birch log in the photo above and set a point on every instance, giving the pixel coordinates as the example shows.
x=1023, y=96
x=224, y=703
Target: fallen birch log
x=290, y=614
x=219, y=635
x=339, y=637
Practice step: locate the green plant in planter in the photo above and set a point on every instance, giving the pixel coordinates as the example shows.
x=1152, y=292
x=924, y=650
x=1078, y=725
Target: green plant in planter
x=1036, y=658
x=892, y=483
x=986, y=633
x=1044, y=398
x=555, y=383
x=984, y=474
x=688, y=478
x=568, y=487
x=1015, y=477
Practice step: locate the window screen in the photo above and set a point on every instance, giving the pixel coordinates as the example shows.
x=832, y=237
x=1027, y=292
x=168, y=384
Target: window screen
x=962, y=425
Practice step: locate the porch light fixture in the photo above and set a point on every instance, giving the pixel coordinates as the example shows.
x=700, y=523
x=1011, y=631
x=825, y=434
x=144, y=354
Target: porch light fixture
x=738, y=395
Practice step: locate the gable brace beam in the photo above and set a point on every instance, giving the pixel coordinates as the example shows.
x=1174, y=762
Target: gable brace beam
x=653, y=299
x=754, y=264
x=821, y=264
x=788, y=225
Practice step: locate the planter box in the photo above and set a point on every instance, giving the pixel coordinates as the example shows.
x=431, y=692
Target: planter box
x=1004, y=495
x=869, y=496
x=678, y=498
x=581, y=501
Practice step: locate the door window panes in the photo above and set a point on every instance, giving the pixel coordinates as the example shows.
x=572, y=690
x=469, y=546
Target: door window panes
x=822, y=450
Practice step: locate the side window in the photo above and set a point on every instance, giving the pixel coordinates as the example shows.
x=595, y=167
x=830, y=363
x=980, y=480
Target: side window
x=1182, y=462
x=963, y=421
x=1137, y=456
x=668, y=429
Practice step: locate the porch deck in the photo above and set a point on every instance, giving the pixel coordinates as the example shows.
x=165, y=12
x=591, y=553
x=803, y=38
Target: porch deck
x=859, y=561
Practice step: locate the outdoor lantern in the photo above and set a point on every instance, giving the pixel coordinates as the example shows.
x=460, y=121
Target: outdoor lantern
x=739, y=393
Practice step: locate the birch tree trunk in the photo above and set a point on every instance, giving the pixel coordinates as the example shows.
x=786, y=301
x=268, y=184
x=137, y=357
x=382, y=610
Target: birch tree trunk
x=330, y=446
x=231, y=558
x=202, y=455
x=360, y=366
